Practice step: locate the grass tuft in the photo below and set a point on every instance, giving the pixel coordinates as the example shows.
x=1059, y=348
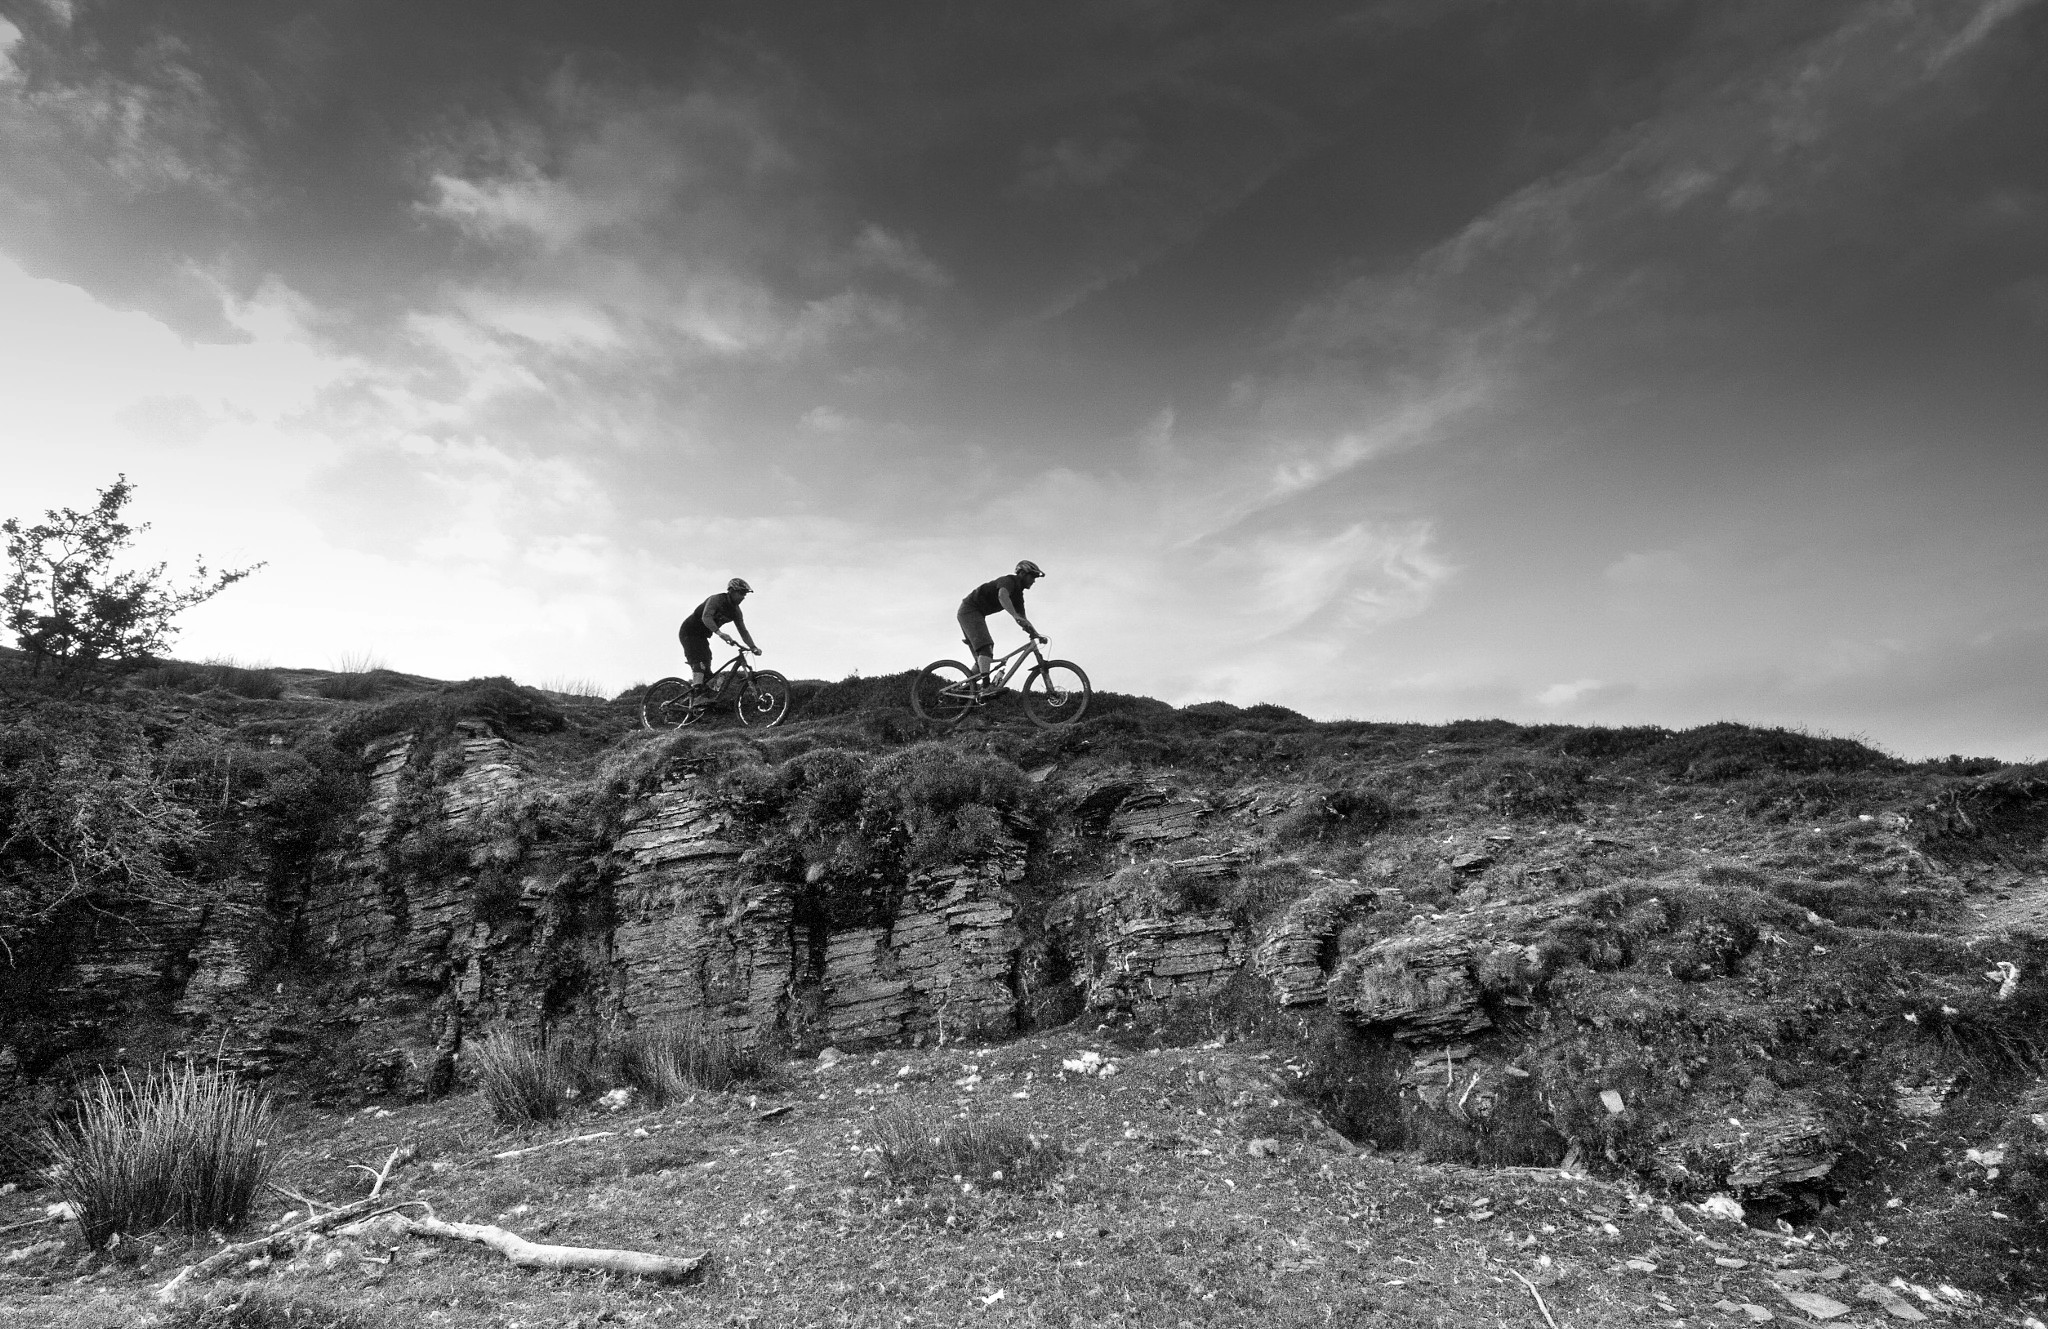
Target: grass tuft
x=917, y=1149
x=179, y=1149
x=524, y=1077
x=669, y=1059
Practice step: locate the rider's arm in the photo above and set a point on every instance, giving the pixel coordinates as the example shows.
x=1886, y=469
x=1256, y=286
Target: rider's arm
x=710, y=619
x=739, y=621
x=1003, y=594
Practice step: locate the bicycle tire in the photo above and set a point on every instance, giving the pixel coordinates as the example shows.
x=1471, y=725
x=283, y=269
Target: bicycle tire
x=937, y=694
x=1055, y=694
x=764, y=700
x=662, y=707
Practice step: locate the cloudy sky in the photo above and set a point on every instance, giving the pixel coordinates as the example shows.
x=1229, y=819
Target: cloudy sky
x=1611, y=361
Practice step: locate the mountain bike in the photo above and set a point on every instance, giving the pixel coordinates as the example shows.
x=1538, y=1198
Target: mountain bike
x=761, y=695
x=1055, y=692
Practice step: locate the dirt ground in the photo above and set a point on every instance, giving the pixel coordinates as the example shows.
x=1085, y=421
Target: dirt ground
x=1194, y=1190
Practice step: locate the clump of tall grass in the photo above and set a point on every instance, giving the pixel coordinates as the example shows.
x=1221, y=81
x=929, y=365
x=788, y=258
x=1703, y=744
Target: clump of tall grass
x=354, y=679
x=670, y=1058
x=524, y=1077
x=584, y=689
x=180, y=1148
x=917, y=1149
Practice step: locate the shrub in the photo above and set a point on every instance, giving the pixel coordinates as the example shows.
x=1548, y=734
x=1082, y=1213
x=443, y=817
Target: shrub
x=917, y=1150
x=64, y=600
x=1726, y=751
x=1343, y=813
x=950, y=804
x=259, y=684
x=506, y=706
x=180, y=1148
x=668, y=1059
x=90, y=818
x=524, y=1077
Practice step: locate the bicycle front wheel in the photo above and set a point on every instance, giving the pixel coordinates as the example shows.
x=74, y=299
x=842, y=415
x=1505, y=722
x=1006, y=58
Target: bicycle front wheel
x=942, y=693
x=1055, y=694
x=663, y=706
x=764, y=700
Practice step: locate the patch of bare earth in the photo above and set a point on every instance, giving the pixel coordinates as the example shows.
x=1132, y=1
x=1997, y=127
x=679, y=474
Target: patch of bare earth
x=1192, y=1190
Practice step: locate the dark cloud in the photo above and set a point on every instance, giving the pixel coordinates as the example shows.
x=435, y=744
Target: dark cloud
x=1497, y=338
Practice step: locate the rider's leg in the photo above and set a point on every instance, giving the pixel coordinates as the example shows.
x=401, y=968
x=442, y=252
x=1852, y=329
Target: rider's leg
x=697, y=651
x=974, y=635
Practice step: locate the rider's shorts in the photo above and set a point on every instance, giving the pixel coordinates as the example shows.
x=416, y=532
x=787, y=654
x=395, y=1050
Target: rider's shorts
x=974, y=630
x=696, y=639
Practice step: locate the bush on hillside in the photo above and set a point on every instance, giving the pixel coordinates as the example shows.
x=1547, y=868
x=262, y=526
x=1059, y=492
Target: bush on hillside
x=180, y=1148
x=1719, y=752
x=503, y=704
x=215, y=675
x=1344, y=813
x=90, y=818
x=952, y=806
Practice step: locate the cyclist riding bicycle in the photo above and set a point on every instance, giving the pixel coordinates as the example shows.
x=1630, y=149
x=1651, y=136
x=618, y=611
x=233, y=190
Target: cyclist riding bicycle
x=709, y=617
x=1005, y=594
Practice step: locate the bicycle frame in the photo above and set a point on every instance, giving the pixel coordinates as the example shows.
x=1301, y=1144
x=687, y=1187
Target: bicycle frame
x=737, y=666
x=1002, y=671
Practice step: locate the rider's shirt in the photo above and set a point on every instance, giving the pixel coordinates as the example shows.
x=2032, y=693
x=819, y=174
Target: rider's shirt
x=722, y=610
x=987, y=599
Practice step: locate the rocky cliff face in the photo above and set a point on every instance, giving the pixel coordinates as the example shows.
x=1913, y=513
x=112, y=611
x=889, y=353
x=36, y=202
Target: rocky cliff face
x=1696, y=990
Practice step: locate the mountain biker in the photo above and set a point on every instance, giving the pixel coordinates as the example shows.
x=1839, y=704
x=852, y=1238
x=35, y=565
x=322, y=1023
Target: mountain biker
x=1006, y=594
x=709, y=617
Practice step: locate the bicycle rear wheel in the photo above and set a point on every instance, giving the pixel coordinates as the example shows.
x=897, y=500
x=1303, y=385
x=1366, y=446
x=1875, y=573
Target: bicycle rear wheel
x=1055, y=694
x=764, y=700
x=664, y=704
x=942, y=694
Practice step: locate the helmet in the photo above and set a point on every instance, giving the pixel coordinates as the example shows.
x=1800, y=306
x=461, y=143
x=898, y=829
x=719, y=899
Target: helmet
x=737, y=586
x=1029, y=569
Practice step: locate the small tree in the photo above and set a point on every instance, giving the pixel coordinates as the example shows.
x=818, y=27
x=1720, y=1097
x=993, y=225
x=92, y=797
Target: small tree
x=65, y=600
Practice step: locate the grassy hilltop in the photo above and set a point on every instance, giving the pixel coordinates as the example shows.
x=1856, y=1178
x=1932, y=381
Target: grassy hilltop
x=1458, y=1024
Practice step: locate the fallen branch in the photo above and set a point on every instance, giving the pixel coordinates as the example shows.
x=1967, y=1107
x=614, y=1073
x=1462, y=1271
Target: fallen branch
x=532, y=1255
x=229, y=1256
x=312, y=1205
x=37, y=1221
x=1539, y=1298
x=402, y=1154
x=536, y=1148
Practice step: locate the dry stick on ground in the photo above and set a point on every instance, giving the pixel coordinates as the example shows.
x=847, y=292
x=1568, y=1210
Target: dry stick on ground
x=1539, y=1298
x=536, y=1148
x=402, y=1154
x=228, y=1256
x=532, y=1255
x=37, y=1221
